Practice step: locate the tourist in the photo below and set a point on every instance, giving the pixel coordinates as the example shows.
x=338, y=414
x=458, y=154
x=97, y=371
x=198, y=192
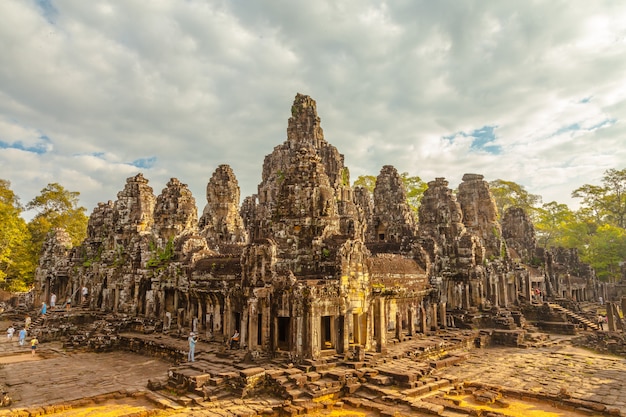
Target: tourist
x=10, y=332
x=235, y=339
x=53, y=300
x=22, y=337
x=33, y=345
x=84, y=292
x=27, y=322
x=601, y=322
x=44, y=308
x=193, y=339
x=68, y=303
x=601, y=300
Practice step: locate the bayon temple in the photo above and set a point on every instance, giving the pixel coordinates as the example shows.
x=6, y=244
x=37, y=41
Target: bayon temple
x=309, y=265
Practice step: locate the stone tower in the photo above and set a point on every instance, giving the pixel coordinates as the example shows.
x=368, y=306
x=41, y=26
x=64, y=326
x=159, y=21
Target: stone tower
x=221, y=221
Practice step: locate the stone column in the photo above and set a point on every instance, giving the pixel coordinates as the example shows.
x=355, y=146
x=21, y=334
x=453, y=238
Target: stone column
x=381, y=341
x=399, y=324
x=411, y=321
x=466, y=297
x=433, y=323
x=442, y=314
x=610, y=318
x=243, y=334
x=422, y=320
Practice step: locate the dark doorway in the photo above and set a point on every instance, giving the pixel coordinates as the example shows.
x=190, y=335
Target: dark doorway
x=326, y=331
x=283, y=332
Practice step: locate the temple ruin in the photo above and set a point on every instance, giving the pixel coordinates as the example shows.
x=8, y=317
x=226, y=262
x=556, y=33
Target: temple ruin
x=309, y=266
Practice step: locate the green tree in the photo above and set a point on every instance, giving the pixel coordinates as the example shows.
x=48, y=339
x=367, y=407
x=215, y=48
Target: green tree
x=605, y=251
x=17, y=265
x=415, y=188
x=606, y=203
x=510, y=194
x=57, y=207
x=557, y=225
x=366, y=181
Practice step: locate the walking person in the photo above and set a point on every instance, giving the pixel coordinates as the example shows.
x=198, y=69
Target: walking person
x=68, y=303
x=44, y=308
x=33, y=345
x=84, y=292
x=27, y=322
x=193, y=339
x=601, y=322
x=22, y=337
x=10, y=332
x=53, y=300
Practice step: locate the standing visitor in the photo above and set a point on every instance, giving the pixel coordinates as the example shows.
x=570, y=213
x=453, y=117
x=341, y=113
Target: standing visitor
x=10, y=332
x=53, y=300
x=33, y=345
x=22, y=337
x=193, y=339
x=85, y=293
x=44, y=308
x=68, y=303
x=27, y=322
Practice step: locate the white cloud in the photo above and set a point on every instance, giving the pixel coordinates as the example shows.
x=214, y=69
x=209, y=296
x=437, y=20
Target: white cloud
x=199, y=83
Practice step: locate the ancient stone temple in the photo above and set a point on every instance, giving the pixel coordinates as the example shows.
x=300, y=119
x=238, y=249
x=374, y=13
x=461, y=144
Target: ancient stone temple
x=308, y=265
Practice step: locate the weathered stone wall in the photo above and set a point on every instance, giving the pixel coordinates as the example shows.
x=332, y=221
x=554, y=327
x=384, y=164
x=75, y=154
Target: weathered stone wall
x=308, y=265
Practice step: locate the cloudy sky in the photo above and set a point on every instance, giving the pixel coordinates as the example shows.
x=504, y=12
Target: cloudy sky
x=93, y=92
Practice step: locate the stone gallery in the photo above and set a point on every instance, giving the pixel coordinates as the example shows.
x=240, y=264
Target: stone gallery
x=310, y=266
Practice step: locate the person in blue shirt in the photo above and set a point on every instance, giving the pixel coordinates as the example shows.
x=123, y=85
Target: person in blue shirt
x=193, y=339
x=22, y=336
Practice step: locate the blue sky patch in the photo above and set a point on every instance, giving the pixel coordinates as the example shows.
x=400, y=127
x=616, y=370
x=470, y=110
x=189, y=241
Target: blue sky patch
x=48, y=9
x=574, y=127
x=145, y=163
x=39, y=148
x=483, y=139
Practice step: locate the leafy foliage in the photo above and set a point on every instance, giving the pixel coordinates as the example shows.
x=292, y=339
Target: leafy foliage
x=605, y=251
x=414, y=187
x=17, y=265
x=366, y=181
x=606, y=203
x=57, y=207
x=510, y=194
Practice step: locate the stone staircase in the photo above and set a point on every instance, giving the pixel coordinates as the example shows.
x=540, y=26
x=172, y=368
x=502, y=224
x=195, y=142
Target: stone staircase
x=576, y=318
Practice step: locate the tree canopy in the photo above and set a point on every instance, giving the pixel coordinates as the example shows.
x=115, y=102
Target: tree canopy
x=17, y=265
x=413, y=185
x=510, y=194
x=606, y=203
x=21, y=242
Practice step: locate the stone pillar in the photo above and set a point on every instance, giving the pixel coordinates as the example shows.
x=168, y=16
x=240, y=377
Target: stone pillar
x=411, y=321
x=299, y=330
x=613, y=318
x=433, y=323
x=243, y=334
x=466, y=297
x=398, y=325
x=116, y=299
x=422, y=320
x=623, y=302
x=442, y=314
x=199, y=315
x=381, y=341
x=354, y=327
